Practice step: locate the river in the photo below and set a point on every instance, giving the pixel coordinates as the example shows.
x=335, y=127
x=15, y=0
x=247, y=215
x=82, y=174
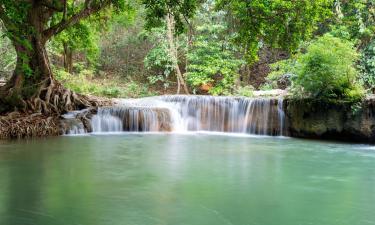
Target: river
x=194, y=178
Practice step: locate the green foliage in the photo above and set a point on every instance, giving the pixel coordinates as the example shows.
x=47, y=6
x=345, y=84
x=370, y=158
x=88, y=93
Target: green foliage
x=86, y=83
x=356, y=18
x=276, y=23
x=245, y=91
x=8, y=57
x=268, y=86
x=82, y=37
x=212, y=59
x=158, y=62
x=327, y=71
x=123, y=46
x=356, y=22
x=156, y=11
x=213, y=49
x=281, y=72
x=367, y=66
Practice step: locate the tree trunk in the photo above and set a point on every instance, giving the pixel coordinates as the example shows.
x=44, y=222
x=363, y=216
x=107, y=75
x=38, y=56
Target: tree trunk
x=32, y=87
x=172, y=51
x=68, y=58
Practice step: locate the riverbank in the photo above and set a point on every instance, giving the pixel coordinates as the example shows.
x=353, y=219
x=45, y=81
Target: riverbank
x=17, y=125
x=263, y=115
x=335, y=121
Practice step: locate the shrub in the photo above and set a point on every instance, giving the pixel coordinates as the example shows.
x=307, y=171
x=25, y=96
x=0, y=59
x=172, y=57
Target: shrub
x=367, y=66
x=211, y=63
x=327, y=71
x=267, y=86
x=281, y=73
x=246, y=91
x=85, y=83
x=158, y=62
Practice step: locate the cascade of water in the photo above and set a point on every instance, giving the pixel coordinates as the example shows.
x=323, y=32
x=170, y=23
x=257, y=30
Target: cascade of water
x=135, y=119
x=72, y=125
x=281, y=115
x=262, y=116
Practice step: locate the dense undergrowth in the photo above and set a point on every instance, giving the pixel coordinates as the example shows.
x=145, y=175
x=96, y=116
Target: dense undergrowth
x=329, y=57
x=85, y=82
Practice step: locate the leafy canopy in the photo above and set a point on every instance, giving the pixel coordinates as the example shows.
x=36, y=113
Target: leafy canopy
x=356, y=18
x=276, y=23
x=181, y=10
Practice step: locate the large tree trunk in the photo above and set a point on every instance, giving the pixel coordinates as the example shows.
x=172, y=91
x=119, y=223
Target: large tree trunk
x=32, y=87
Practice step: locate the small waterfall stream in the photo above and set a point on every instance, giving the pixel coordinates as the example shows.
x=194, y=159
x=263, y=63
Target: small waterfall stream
x=263, y=116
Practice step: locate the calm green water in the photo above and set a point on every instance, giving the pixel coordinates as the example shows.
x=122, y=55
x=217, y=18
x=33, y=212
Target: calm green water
x=185, y=179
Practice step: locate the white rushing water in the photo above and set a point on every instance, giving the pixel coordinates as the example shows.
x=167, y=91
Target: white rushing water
x=263, y=116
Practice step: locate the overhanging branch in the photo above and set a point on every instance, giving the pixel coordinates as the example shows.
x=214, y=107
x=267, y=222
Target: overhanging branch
x=89, y=9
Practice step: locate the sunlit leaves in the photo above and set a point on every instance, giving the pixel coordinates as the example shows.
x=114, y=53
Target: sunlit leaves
x=277, y=23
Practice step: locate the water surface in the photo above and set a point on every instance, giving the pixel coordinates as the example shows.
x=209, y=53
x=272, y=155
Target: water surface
x=196, y=179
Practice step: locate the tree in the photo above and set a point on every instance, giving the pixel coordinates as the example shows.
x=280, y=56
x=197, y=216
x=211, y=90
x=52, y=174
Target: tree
x=355, y=21
x=30, y=24
x=357, y=17
x=172, y=52
x=277, y=23
x=213, y=64
x=327, y=71
x=82, y=37
x=158, y=63
x=175, y=26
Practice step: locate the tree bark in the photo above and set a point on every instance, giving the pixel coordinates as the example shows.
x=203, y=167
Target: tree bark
x=32, y=87
x=68, y=58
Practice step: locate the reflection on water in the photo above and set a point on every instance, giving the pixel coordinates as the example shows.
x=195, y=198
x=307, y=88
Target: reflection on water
x=185, y=179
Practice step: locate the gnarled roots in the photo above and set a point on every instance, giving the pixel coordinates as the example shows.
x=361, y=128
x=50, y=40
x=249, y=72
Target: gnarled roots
x=51, y=98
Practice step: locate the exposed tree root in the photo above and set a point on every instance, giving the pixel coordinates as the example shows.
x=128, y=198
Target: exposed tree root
x=16, y=125
x=53, y=98
x=39, y=115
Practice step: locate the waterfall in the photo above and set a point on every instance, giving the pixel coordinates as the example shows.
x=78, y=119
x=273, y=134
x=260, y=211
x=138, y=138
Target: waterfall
x=281, y=115
x=263, y=116
x=71, y=124
x=135, y=119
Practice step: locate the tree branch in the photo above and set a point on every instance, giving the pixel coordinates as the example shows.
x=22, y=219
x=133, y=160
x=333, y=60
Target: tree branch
x=88, y=10
x=65, y=9
x=6, y=20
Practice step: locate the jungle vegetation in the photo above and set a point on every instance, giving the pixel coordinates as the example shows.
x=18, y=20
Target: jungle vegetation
x=57, y=53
